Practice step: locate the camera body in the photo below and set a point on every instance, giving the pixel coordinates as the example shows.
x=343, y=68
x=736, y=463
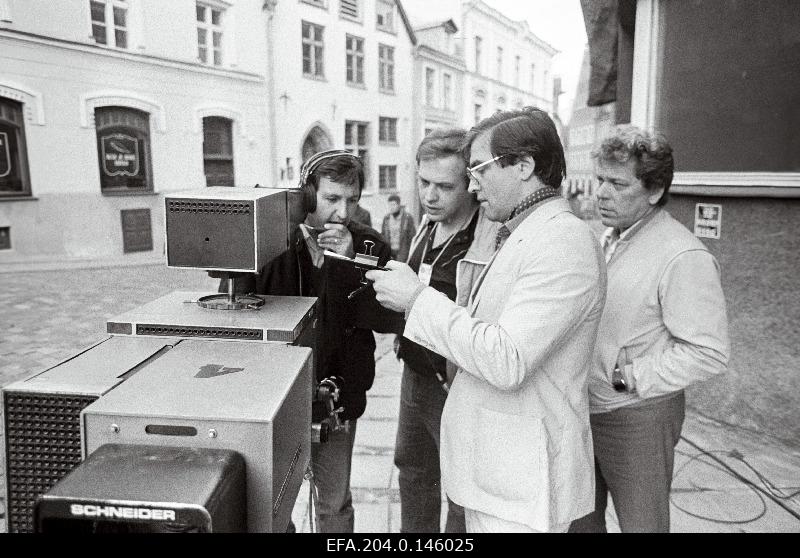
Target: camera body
x=178, y=388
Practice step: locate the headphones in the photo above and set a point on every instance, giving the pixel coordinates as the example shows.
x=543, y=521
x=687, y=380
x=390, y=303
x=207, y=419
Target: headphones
x=311, y=165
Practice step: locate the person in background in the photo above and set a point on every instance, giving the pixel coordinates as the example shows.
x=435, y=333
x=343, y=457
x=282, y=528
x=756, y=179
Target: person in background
x=664, y=328
x=516, y=449
x=398, y=229
x=454, y=238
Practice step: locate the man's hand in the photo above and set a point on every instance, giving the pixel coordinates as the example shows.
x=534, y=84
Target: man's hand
x=337, y=238
x=395, y=288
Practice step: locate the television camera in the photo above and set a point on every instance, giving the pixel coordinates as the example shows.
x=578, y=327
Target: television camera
x=194, y=413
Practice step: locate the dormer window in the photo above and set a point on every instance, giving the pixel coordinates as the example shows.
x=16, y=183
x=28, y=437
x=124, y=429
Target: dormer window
x=384, y=14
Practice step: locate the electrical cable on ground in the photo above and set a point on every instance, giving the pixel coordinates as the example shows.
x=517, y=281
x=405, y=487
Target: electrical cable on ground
x=769, y=492
x=698, y=457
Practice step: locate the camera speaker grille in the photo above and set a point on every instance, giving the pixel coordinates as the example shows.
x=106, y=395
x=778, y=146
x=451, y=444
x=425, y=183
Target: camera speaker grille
x=208, y=206
x=200, y=331
x=43, y=444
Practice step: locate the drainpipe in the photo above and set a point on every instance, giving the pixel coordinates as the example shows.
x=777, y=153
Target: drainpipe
x=269, y=11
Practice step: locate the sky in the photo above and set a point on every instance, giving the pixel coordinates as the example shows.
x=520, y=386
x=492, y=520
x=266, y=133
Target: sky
x=558, y=22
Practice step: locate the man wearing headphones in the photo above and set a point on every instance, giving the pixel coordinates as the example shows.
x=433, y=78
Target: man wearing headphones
x=332, y=182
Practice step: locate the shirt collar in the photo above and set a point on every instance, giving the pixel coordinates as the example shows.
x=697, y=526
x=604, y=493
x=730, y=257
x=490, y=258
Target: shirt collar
x=317, y=256
x=633, y=229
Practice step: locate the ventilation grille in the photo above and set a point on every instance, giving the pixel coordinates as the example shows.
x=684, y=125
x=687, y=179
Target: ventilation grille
x=349, y=8
x=208, y=206
x=279, y=500
x=198, y=331
x=43, y=444
x=280, y=335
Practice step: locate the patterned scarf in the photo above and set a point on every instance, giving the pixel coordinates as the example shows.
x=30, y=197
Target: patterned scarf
x=530, y=200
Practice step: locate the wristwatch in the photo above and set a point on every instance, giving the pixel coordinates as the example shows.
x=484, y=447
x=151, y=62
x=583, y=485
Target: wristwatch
x=618, y=380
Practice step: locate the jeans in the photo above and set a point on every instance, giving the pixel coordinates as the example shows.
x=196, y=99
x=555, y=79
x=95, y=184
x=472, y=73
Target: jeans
x=330, y=463
x=634, y=452
x=417, y=457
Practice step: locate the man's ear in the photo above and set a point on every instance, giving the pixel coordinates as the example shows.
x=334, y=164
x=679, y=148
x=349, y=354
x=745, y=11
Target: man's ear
x=653, y=196
x=526, y=167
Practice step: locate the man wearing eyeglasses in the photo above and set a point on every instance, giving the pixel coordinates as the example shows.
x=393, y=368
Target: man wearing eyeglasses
x=516, y=448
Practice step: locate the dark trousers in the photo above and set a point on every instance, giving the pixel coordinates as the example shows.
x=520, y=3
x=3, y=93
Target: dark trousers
x=417, y=457
x=331, y=462
x=634, y=452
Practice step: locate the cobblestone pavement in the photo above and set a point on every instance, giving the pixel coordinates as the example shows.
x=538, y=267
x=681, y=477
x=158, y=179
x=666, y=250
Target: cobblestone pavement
x=48, y=315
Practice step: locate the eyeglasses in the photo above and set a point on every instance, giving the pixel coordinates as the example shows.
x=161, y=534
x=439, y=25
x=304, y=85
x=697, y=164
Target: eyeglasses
x=475, y=176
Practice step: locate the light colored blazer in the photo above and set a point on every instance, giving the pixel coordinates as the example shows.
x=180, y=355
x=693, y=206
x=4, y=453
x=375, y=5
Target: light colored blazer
x=515, y=438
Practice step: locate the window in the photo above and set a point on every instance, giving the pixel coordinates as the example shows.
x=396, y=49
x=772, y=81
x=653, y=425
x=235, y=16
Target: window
x=386, y=68
x=14, y=177
x=500, y=63
x=209, y=25
x=533, y=78
x=430, y=87
x=447, y=88
x=516, y=71
x=123, y=149
x=354, y=53
x=109, y=22
x=384, y=15
x=350, y=9
x=313, y=50
x=478, y=44
x=387, y=129
x=218, y=151
x=729, y=86
x=544, y=84
x=355, y=141
x=477, y=113
x=387, y=177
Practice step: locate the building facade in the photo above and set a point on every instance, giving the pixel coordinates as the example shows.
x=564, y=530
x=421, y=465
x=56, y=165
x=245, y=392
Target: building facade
x=508, y=67
x=105, y=105
x=439, y=71
x=587, y=128
x=343, y=78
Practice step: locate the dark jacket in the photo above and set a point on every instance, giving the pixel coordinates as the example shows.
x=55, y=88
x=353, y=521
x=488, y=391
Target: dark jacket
x=407, y=231
x=345, y=343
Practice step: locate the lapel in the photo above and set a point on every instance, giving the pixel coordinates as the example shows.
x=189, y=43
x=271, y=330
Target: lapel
x=527, y=228
x=421, y=233
x=473, y=295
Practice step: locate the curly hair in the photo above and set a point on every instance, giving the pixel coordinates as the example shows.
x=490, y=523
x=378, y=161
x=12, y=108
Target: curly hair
x=651, y=153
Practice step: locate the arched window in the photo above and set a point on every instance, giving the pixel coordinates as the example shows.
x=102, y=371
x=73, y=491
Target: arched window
x=316, y=140
x=218, y=151
x=123, y=149
x=14, y=177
